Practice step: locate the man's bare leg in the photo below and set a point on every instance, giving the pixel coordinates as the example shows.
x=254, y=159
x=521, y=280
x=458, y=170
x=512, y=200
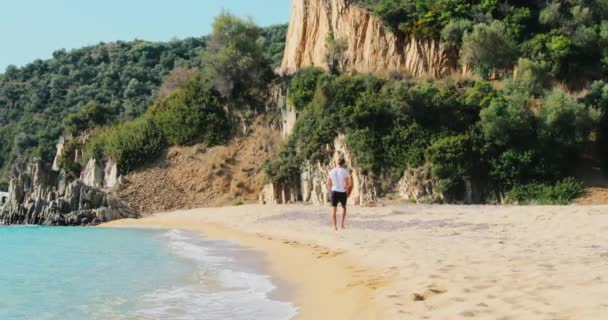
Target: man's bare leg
x=335, y=211
x=343, y=217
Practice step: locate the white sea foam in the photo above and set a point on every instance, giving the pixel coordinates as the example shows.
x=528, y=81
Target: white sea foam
x=225, y=290
x=186, y=247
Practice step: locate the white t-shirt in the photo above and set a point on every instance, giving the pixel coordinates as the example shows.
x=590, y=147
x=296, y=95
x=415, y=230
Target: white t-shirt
x=338, y=179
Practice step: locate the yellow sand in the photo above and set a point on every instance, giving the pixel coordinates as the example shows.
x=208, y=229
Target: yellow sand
x=425, y=262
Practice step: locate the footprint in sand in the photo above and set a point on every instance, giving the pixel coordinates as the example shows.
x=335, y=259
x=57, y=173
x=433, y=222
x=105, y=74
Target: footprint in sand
x=468, y=314
x=481, y=287
x=428, y=294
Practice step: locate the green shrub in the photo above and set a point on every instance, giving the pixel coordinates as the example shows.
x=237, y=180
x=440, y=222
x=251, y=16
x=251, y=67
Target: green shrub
x=507, y=122
x=480, y=94
x=405, y=146
x=303, y=86
x=532, y=78
x=89, y=117
x=364, y=147
x=192, y=115
x=452, y=159
x=565, y=124
x=515, y=166
x=285, y=169
x=598, y=98
x=560, y=193
x=130, y=144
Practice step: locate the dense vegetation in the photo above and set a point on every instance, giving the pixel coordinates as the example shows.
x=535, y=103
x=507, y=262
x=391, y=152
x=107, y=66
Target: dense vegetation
x=565, y=39
x=108, y=83
x=233, y=79
x=520, y=140
x=466, y=130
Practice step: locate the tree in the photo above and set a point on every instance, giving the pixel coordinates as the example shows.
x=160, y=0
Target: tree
x=488, y=48
x=452, y=160
x=507, y=122
x=235, y=63
x=453, y=32
x=564, y=126
x=191, y=115
x=176, y=79
x=91, y=116
x=531, y=78
x=598, y=98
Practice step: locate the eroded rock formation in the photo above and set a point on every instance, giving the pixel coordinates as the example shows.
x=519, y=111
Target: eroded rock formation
x=100, y=175
x=417, y=184
x=370, y=45
x=38, y=195
x=312, y=186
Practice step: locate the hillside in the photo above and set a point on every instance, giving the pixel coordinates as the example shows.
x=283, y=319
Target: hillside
x=442, y=101
x=39, y=102
x=477, y=101
x=196, y=176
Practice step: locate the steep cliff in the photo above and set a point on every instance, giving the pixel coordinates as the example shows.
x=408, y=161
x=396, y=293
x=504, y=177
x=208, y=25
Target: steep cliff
x=370, y=45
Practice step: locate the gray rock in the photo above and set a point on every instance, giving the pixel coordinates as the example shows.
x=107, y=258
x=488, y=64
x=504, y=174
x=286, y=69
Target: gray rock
x=38, y=195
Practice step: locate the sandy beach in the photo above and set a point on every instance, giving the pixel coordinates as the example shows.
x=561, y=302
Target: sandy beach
x=424, y=262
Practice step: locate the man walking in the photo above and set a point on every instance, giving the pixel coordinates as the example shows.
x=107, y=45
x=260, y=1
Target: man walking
x=339, y=184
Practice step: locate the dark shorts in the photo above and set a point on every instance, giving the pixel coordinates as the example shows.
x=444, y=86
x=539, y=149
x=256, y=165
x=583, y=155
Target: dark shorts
x=338, y=197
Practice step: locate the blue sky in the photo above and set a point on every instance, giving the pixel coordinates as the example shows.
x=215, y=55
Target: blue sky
x=33, y=29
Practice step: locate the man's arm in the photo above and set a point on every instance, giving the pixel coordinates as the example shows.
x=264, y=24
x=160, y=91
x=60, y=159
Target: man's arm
x=329, y=184
x=349, y=184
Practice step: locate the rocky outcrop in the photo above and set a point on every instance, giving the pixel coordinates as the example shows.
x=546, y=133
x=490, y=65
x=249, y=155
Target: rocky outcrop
x=312, y=186
x=417, y=184
x=370, y=45
x=38, y=195
x=279, y=194
x=278, y=105
x=59, y=154
x=100, y=175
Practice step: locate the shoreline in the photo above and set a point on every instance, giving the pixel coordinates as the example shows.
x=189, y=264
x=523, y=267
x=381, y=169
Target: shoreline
x=424, y=261
x=322, y=283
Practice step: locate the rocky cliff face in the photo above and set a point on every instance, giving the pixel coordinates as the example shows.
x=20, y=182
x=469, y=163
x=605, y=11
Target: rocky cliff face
x=285, y=115
x=311, y=187
x=100, y=175
x=312, y=182
x=38, y=195
x=370, y=45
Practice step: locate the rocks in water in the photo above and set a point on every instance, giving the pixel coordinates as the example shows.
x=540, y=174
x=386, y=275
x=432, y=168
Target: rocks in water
x=38, y=195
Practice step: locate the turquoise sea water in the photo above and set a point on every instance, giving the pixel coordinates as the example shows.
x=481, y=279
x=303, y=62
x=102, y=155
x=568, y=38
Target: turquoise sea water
x=91, y=273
